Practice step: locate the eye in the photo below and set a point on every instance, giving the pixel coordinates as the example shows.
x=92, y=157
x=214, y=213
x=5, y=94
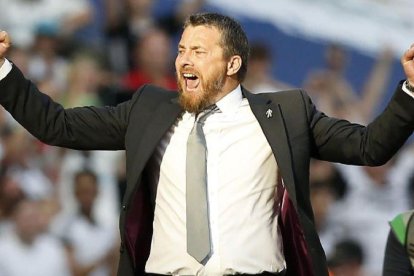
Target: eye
x=180, y=52
x=199, y=52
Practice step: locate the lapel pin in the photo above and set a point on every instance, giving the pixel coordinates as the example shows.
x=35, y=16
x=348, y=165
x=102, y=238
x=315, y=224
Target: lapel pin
x=269, y=113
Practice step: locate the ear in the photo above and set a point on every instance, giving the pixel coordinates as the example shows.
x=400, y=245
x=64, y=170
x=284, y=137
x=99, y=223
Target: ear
x=233, y=65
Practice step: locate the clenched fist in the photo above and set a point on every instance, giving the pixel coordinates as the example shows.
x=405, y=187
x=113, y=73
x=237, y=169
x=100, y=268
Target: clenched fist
x=407, y=61
x=5, y=44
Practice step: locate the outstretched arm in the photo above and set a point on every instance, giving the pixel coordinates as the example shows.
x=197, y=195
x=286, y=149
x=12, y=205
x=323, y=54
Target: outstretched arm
x=84, y=128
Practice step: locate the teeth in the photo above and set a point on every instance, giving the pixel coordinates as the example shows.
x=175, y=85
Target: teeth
x=188, y=75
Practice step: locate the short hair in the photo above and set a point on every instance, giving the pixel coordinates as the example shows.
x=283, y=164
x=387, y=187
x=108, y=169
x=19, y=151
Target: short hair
x=345, y=252
x=233, y=38
x=86, y=173
x=259, y=51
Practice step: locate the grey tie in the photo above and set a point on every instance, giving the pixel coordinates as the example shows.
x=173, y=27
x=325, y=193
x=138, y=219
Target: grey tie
x=198, y=232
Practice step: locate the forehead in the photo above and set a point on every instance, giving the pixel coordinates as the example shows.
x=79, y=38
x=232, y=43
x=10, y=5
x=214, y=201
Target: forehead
x=200, y=36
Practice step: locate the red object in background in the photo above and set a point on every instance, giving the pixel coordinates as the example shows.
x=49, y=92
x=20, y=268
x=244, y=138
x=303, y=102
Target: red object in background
x=135, y=79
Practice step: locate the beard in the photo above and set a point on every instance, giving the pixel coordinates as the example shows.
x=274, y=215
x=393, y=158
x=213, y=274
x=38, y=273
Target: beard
x=195, y=102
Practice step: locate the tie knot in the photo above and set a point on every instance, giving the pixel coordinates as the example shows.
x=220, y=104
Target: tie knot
x=202, y=116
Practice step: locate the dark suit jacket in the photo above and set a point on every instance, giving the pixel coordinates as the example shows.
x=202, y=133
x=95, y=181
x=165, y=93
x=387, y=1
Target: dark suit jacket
x=296, y=132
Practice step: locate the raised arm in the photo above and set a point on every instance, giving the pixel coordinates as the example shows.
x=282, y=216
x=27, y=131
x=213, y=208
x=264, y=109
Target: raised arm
x=85, y=128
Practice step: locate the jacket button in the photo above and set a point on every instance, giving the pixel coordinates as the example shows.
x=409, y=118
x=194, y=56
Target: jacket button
x=124, y=207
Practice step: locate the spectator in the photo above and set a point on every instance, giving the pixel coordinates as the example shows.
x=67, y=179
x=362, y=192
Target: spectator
x=172, y=23
x=335, y=96
x=21, y=164
x=68, y=16
x=84, y=79
x=10, y=195
x=126, y=27
x=91, y=245
x=259, y=78
x=329, y=85
x=374, y=196
x=26, y=250
x=47, y=67
x=153, y=61
x=347, y=259
x=326, y=188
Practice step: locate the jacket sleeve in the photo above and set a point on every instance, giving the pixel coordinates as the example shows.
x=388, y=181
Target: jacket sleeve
x=82, y=128
x=341, y=141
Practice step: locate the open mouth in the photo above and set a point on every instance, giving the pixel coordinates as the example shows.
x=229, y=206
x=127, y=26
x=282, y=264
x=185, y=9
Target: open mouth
x=191, y=81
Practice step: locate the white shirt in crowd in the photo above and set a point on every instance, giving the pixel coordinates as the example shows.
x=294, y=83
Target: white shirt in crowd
x=45, y=257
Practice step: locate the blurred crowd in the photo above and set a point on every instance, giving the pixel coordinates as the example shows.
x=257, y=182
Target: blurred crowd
x=59, y=207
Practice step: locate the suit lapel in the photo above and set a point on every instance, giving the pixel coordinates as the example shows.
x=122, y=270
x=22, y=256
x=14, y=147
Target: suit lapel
x=164, y=117
x=270, y=117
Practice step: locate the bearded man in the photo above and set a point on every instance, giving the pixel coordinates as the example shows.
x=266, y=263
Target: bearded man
x=217, y=178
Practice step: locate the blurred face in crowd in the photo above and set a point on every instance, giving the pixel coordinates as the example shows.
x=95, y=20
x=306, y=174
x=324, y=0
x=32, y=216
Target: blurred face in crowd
x=336, y=58
x=153, y=53
x=86, y=191
x=201, y=67
x=84, y=74
x=27, y=219
x=140, y=6
x=10, y=191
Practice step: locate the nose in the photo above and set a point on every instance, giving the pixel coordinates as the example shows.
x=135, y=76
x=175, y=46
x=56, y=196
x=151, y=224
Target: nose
x=184, y=59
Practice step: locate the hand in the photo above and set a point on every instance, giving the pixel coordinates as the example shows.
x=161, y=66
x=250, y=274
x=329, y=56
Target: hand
x=407, y=61
x=5, y=44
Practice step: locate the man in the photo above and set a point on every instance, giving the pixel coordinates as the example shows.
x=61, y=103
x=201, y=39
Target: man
x=260, y=219
x=89, y=243
x=26, y=249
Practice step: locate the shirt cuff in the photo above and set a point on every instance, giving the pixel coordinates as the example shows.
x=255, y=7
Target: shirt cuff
x=5, y=69
x=405, y=89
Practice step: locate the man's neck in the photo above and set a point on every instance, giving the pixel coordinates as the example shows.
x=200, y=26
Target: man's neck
x=228, y=87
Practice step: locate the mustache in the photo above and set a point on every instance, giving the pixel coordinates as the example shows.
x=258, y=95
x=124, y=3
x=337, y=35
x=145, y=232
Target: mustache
x=186, y=71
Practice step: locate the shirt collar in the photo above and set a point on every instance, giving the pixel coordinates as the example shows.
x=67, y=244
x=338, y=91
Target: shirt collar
x=231, y=102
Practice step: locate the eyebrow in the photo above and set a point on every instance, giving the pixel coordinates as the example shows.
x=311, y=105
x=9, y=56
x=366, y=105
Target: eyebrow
x=180, y=46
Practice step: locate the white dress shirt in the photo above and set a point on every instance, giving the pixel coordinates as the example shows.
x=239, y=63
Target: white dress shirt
x=5, y=69
x=241, y=180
